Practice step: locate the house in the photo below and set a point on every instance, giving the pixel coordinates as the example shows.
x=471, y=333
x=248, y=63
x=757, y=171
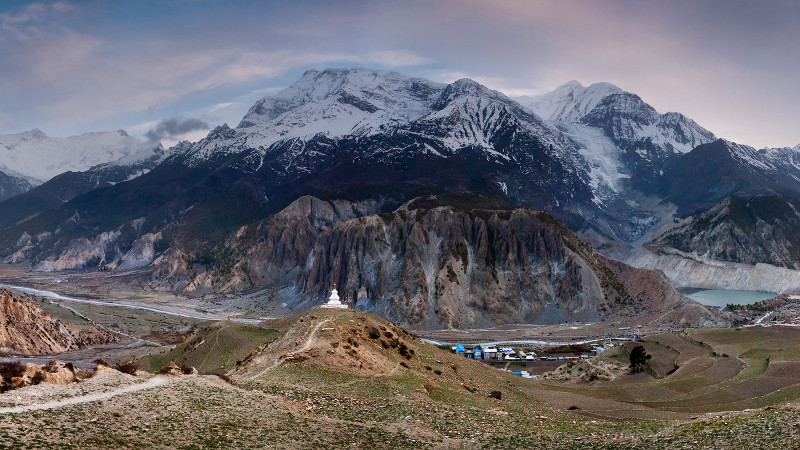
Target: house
x=477, y=354
x=489, y=352
x=459, y=349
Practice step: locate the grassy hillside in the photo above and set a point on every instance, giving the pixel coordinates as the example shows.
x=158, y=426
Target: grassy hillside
x=217, y=349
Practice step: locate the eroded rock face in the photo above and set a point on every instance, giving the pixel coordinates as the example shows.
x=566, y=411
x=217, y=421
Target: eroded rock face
x=80, y=253
x=141, y=253
x=426, y=265
x=739, y=230
x=27, y=329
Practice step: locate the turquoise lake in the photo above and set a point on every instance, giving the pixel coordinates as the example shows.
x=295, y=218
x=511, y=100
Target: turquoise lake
x=722, y=297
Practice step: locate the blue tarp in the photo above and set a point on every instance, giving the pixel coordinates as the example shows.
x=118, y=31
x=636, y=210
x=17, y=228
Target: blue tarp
x=459, y=348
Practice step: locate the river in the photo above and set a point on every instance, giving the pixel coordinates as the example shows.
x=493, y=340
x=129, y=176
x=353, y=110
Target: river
x=723, y=297
x=56, y=296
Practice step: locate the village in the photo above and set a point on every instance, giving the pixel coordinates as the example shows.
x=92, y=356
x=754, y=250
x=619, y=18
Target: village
x=531, y=361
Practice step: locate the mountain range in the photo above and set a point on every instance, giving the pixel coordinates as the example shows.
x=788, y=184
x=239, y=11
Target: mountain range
x=596, y=158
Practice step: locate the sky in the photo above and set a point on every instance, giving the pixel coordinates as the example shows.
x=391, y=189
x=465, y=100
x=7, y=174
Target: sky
x=172, y=70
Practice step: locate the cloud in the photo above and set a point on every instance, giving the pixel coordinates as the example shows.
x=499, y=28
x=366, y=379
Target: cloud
x=397, y=58
x=171, y=129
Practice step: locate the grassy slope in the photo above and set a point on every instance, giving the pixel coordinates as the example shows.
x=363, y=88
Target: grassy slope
x=214, y=350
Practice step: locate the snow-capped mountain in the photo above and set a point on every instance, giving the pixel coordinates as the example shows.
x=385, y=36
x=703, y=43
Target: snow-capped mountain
x=340, y=103
x=393, y=124
x=363, y=103
x=598, y=158
x=624, y=117
x=33, y=154
x=569, y=102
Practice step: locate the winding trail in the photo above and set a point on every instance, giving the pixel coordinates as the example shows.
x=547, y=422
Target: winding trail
x=149, y=384
x=310, y=340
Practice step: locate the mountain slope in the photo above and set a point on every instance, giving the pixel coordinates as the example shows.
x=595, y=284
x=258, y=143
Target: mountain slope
x=68, y=185
x=751, y=231
x=11, y=185
x=644, y=139
x=712, y=172
x=428, y=265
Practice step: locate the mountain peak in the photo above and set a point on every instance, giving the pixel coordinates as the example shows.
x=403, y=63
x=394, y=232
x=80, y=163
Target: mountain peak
x=466, y=87
x=33, y=134
x=569, y=102
x=368, y=90
x=571, y=84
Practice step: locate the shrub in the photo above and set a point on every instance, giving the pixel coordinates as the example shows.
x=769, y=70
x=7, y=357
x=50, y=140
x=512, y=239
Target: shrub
x=127, y=367
x=224, y=378
x=38, y=377
x=496, y=394
x=373, y=333
x=166, y=370
x=11, y=369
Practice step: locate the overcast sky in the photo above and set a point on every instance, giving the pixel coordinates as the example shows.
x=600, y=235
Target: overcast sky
x=166, y=70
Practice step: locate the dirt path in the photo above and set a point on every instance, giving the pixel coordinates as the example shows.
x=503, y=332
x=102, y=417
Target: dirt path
x=310, y=340
x=149, y=384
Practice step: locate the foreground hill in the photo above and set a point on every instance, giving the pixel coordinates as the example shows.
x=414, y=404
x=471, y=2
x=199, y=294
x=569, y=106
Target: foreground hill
x=348, y=379
x=435, y=262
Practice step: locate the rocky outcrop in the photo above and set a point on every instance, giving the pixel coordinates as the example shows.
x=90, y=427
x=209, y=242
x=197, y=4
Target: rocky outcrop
x=749, y=244
x=28, y=330
x=141, y=253
x=427, y=265
x=80, y=253
x=750, y=231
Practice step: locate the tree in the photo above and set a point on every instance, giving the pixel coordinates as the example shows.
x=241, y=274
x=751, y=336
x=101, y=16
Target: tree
x=639, y=358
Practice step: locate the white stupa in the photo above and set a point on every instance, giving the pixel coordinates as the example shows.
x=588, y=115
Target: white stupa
x=333, y=301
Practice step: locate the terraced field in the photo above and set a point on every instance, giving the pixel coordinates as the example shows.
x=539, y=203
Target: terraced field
x=697, y=372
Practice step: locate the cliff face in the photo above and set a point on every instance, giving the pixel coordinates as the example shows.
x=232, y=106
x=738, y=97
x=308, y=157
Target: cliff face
x=27, y=329
x=750, y=231
x=425, y=265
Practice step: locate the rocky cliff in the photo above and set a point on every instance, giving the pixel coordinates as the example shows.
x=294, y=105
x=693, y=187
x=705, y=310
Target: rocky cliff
x=27, y=329
x=756, y=230
x=427, y=264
